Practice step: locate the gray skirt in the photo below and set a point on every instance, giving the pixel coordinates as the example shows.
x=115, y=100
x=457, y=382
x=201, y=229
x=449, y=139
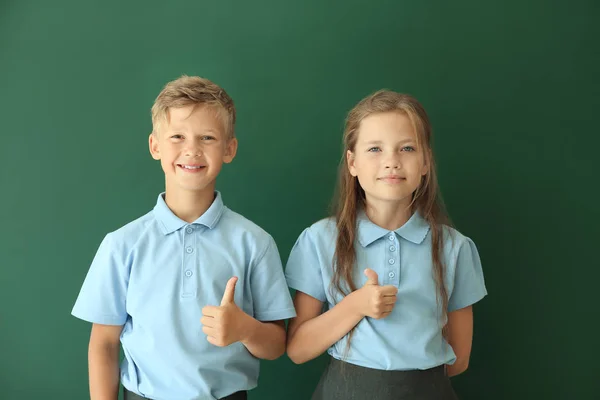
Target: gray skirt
x=345, y=381
x=128, y=395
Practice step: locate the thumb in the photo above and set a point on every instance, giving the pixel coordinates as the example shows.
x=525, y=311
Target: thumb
x=228, y=296
x=372, y=278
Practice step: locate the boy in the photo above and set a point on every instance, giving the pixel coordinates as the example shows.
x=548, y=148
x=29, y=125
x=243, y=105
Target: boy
x=194, y=292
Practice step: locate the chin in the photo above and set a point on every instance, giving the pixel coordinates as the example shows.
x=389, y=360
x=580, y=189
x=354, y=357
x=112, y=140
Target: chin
x=199, y=188
x=194, y=187
x=392, y=197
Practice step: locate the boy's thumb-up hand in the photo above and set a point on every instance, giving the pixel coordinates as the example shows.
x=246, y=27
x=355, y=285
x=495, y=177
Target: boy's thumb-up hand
x=229, y=295
x=225, y=324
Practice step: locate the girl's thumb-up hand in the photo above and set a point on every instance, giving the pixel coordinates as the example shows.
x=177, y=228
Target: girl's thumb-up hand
x=376, y=301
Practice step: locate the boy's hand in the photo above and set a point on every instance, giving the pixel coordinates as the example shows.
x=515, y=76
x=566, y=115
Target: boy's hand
x=376, y=301
x=225, y=324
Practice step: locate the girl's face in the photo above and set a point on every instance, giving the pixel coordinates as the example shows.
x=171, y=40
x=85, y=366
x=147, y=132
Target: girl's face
x=386, y=160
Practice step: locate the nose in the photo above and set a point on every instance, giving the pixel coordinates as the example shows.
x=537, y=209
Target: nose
x=393, y=161
x=193, y=149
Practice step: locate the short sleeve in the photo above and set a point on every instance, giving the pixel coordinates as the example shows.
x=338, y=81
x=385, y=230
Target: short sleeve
x=270, y=294
x=303, y=270
x=469, y=284
x=102, y=297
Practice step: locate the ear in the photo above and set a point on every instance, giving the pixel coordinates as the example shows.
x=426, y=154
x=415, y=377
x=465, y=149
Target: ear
x=230, y=150
x=425, y=169
x=350, y=160
x=153, y=145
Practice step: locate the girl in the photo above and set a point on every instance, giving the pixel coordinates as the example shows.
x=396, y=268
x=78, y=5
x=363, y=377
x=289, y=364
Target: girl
x=397, y=280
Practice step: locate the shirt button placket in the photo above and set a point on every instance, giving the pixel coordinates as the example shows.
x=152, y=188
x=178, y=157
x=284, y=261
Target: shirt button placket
x=188, y=267
x=392, y=260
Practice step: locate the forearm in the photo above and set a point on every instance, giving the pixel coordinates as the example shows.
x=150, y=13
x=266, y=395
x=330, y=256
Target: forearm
x=460, y=338
x=459, y=366
x=103, y=363
x=265, y=340
x=315, y=336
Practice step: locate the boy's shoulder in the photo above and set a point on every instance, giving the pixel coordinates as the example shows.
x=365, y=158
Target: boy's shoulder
x=128, y=234
x=233, y=221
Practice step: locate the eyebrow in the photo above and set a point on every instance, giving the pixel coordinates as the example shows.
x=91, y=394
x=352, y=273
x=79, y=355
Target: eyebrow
x=371, y=142
x=202, y=132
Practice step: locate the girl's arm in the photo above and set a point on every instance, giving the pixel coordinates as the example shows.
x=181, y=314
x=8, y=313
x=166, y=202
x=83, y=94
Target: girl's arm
x=311, y=333
x=103, y=362
x=460, y=337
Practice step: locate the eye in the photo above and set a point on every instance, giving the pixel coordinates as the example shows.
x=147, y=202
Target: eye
x=177, y=137
x=408, y=148
x=208, y=137
x=374, y=149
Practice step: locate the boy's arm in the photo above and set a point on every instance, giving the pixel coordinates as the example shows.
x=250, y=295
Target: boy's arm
x=103, y=362
x=227, y=324
x=265, y=340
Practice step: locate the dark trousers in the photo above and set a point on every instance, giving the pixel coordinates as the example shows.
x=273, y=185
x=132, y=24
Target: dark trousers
x=243, y=395
x=345, y=381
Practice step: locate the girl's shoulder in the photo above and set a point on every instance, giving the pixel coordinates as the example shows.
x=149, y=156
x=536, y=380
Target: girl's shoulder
x=323, y=229
x=454, y=240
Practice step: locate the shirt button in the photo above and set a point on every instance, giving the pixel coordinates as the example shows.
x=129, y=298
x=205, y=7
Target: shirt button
x=189, y=250
x=391, y=274
x=391, y=237
x=392, y=248
x=391, y=261
x=189, y=229
x=188, y=273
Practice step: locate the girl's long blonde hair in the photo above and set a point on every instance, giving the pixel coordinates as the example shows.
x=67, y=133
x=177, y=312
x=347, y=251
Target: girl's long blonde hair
x=350, y=197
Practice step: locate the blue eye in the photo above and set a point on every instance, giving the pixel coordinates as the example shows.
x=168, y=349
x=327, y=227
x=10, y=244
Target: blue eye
x=208, y=138
x=408, y=148
x=374, y=149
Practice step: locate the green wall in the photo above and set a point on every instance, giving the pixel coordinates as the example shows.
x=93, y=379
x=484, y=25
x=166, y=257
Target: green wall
x=512, y=90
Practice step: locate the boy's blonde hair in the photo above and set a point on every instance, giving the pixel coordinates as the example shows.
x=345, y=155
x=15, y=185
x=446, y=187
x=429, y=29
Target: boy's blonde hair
x=193, y=90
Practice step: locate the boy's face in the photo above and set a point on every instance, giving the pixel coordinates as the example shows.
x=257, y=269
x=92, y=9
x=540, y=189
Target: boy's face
x=192, y=148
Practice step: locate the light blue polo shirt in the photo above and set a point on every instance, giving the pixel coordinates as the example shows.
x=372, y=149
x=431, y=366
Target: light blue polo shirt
x=154, y=276
x=410, y=336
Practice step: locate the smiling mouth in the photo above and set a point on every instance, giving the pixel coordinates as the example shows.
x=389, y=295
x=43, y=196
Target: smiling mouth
x=191, y=168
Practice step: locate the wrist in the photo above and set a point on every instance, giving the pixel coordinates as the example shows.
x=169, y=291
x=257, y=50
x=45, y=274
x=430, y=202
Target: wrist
x=248, y=326
x=354, y=303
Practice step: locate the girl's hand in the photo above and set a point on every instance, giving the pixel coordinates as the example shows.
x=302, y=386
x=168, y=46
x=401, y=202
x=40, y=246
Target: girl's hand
x=373, y=300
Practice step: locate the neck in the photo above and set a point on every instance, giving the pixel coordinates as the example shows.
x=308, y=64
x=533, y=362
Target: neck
x=389, y=215
x=189, y=205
